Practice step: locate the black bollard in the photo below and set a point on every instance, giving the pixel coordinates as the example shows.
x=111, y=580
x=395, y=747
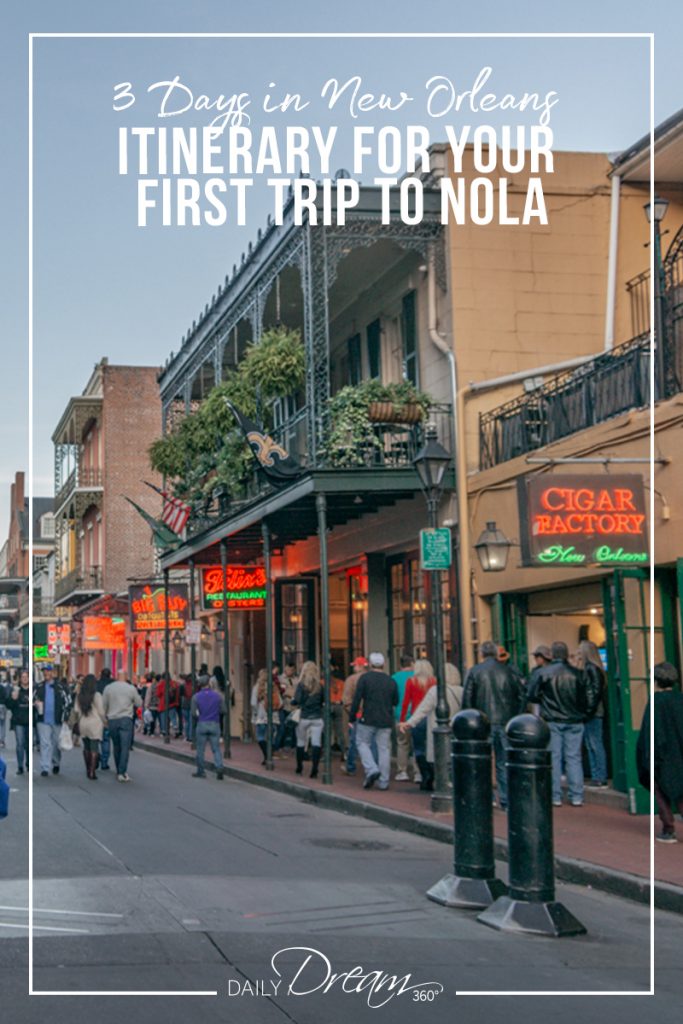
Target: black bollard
x=530, y=906
x=473, y=884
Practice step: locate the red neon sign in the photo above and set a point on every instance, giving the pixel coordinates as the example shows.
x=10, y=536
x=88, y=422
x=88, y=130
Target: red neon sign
x=245, y=587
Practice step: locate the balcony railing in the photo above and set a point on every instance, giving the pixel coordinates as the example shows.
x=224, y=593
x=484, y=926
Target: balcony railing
x=9, y=604
x=43, y=608
x=606, y=386
x=10, y=636
x=387, y=446
x=80, y=478
x=79, y=582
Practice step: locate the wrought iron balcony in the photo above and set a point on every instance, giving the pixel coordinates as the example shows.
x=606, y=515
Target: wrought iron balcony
x=9, y=637
x=79, y=585
x=387, y=446
x=606, y=386
x=9, y=605
x=81, y=478
x=43, y=608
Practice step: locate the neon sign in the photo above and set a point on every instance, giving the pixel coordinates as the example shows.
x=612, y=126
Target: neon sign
x=579, y=520
x=245, y=587
x=148, y=607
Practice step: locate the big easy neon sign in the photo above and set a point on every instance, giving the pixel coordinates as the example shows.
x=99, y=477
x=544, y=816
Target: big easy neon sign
x=583, y=519
x=245, y=587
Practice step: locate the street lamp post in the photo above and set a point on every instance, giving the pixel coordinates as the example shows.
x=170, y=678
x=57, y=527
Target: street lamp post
x=655, y=213
x=431, y=463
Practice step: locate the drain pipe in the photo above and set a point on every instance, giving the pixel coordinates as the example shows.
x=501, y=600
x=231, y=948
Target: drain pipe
x=459, y=458
x=612, y=263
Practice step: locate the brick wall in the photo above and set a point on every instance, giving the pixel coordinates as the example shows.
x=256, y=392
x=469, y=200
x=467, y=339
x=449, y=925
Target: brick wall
x=131, y=420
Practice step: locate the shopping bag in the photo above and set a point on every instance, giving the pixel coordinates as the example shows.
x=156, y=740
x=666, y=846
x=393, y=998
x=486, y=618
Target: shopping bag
x=65, y=739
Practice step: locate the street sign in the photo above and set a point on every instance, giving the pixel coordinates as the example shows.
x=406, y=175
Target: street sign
x=193, y=631
x=435, y=549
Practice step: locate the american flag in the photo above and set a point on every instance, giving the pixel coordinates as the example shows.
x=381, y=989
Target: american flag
x=175, y=512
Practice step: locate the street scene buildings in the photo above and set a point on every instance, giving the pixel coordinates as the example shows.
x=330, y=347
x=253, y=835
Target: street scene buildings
x=401, y=448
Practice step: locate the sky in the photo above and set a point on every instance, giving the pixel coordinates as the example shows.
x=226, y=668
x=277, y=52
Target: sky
x=103, y=286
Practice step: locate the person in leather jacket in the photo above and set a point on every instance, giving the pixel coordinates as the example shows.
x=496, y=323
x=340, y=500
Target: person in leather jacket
x=497, y=690
x=566, y=700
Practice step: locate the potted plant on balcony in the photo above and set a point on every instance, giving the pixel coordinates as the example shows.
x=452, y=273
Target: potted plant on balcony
x=358, y=409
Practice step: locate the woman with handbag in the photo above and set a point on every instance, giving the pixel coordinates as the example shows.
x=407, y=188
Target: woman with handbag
x=90, y=722
x=308, y=702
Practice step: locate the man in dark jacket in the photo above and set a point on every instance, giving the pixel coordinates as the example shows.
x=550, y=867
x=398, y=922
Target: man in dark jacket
x=52, y=702
x=566, y=701
x=497, y=690
x=668, y=750
x=376, y=696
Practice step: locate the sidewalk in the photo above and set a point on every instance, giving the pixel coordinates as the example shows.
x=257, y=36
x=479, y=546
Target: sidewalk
x=595, y=845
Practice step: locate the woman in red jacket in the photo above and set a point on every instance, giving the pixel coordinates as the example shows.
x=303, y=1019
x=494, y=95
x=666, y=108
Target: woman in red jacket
x=416, y=688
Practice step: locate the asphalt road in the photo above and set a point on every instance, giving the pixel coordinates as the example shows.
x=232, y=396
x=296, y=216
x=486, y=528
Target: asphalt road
x=187, y=885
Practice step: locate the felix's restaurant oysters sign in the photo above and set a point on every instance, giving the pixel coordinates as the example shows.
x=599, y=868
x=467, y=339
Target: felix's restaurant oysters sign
x=580, y=519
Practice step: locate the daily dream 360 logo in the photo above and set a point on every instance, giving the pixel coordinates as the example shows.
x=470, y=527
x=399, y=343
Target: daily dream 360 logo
x=306, y=971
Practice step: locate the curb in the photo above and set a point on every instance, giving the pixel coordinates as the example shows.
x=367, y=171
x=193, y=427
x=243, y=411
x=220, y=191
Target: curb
x=567, y=869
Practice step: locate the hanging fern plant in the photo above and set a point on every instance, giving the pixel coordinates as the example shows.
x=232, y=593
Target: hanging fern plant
x=207, y=448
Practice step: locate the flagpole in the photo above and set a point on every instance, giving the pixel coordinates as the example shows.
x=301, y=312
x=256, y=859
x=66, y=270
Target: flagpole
x=167, y=662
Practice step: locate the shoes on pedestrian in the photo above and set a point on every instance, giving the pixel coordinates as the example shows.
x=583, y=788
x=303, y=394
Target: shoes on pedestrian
x=417, y=777
x=577, y=803
x=198, y=775
x=120, y=778
x=401, y=777
x=55, y=769
x=370, y=780
x=666, y=837
x=44, y=774
x=593, y=784
x=384, y=785
x=126, y=777
x=219, y=775
x=557, y=803
x=104, y=767
x=503, y=806
x=20, y=771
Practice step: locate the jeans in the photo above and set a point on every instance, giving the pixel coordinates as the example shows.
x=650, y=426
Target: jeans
x=106, y=749
x=593, y=738
x=286, y=730
x=419, y=738
x=208, y=732
x=499, y=744
x=352, y=752
x=121, y=732
x=309, y=728
x=21, y=739
x=187, y=718
x=565, y=747
x=3, y=725
x=50, y=754
x=365, y=735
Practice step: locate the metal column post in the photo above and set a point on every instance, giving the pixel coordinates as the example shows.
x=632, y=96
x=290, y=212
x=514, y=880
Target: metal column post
x=193, y=650
x=226, y=650
x=167, y=662
x=265, y=530
x=321, y=506
x=441, y=798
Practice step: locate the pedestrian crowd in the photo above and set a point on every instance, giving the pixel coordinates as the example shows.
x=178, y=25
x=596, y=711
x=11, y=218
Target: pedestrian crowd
x=374, y=717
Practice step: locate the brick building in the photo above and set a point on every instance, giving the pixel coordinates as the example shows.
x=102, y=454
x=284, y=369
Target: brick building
x=101, y=444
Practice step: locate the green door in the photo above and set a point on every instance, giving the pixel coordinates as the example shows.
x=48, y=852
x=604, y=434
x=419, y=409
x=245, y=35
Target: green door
x=628, y=671
x=509, y=628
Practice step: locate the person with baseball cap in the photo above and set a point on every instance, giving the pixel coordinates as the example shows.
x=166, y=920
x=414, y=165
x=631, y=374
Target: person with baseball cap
x=358, y=666
x=375, y=698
